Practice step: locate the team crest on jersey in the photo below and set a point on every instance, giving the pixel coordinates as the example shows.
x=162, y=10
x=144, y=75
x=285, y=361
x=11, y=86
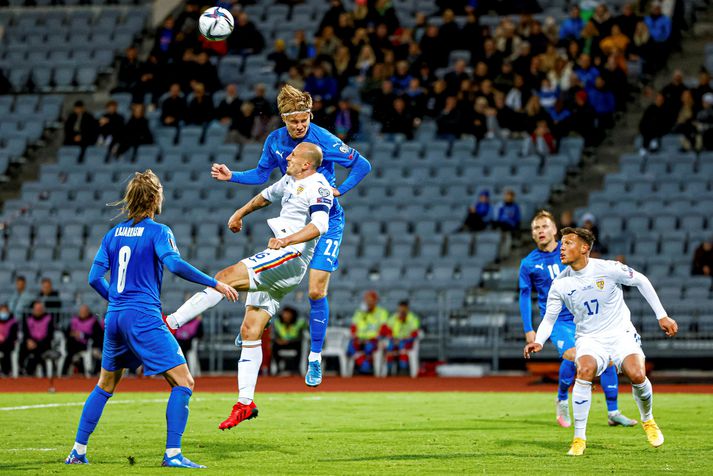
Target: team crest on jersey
x=300, y=189
x=600, y=284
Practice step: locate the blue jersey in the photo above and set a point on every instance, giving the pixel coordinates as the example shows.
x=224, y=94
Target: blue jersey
x=279, y=145
x=538, y=270
x=134, y=254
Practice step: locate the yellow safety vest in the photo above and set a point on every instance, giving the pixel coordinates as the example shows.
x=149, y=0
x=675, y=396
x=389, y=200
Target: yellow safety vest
x=368, y=324
x=404, y=329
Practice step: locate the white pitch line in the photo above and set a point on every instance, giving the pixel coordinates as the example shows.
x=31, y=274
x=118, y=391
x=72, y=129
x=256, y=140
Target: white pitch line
x=30, y=449
x=111, y=402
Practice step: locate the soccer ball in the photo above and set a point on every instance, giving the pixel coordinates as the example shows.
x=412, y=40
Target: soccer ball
x=216, y=24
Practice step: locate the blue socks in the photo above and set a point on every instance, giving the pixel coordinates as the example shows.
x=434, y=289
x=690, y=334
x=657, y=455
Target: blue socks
x=93, y=408
x=610, y=385
x=567, y=373
x=318, y=320
x=177, y=415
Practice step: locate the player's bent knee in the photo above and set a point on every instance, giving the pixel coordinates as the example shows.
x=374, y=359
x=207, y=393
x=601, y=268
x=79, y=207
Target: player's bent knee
x=250, y=331
x=637, y=376
x=317, y=294
x=570, y=354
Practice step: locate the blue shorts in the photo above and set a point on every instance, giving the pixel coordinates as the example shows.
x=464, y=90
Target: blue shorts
x=563, y=336
x=326, y=253
x=132, y=338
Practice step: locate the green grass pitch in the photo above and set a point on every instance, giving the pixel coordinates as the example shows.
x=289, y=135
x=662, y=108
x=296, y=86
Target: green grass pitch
x=357, y=433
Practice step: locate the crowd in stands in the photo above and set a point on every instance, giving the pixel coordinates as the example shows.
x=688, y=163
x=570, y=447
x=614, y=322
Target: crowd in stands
x=683, y=110
x=523, y=77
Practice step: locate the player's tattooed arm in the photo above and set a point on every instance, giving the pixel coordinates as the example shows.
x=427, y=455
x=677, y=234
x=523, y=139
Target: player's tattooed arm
x=236, y=221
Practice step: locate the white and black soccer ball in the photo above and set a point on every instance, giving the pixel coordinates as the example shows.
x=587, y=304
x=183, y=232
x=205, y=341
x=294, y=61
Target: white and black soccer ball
x=216, y=24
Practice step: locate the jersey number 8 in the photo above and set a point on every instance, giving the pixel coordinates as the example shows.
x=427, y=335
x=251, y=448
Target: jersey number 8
x=124, y=257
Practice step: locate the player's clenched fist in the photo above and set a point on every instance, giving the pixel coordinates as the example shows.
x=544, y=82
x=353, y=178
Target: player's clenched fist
x=531, y=348
x=220, y=172
x=276, y=243
x=669, y=326
x=235, y=223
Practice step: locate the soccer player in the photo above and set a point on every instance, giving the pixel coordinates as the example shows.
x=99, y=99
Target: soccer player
x=135, y=252
x=591, y=289
x=295, y=109
x=306, y=197
x=537, y=270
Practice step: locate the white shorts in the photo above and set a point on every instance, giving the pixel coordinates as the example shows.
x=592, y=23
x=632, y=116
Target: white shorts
x=273, y=274
x=613, y=348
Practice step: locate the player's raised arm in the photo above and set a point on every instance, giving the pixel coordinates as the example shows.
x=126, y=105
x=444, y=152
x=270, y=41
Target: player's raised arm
x=257, y=176
x=554, y=307
x=525, y=284
x=261, y=200
x=348, y=157
x=623, y=274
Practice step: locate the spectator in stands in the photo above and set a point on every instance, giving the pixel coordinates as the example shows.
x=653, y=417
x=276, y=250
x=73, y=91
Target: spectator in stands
x=245, y=40
x=383, y=13
x=627, y=20
x=38, y=332
x=50, y=297
x=111, y=125
x=188, y=334
x=136, y=131
x=20, y=300
x=81, y=127
x=399, y=120
x=200, y=109
x=368, y=324
x=541, y=140
x=83, y=327
x=583, y=120
x=603, y=102
x=704, y=124
x=684, y=121
x=507, y=219
x=659, y=26
x=332, y=15
x=642, y=47
x=149, y=81
x=241, y=128
x=586, y=72
x=346, y=121
x=205, y=73
x=287, y=344
x=229, y=108
x=173, y=107
x=589, y=222
x=654, y=124
x=165, y=37
x=673, y=91
x=403, y=327
x=571, y=28
x=322, y=113
x=704, y=86
x=299, y=48
x=129, y=71
x=703, y=259
x=8, y=339
x=319, y=83
x=448, y=122
x=382, y=100
x=279, y=57
x=480, y=214
x=567, y=220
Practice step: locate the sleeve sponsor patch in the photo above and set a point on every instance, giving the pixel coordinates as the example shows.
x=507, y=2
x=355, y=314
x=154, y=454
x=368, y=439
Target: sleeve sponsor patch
x=326, y=201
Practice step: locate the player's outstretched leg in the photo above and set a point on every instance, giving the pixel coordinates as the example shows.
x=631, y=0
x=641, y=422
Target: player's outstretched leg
x=91, y=413
x=633, y=367
x=610, y=385
x=582, y=402
x=177, y=416
x=566, y=377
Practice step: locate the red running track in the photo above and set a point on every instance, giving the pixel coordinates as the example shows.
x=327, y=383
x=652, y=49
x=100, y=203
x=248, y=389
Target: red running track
x=331, y=384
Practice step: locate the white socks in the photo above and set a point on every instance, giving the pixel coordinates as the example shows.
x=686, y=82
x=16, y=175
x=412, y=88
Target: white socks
x=197, y=304
x=582, y=401
x=644, y=397
x=171, y=452
x=315, y=356
x=248, y=370
x=80, y=448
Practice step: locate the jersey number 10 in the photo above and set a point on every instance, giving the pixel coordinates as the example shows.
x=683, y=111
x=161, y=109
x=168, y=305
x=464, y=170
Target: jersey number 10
x=124, y=257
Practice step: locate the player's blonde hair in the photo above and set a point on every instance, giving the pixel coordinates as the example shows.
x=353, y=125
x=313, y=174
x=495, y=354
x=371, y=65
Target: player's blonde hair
x=292, y=100
x=544, y=214
x=142, y=197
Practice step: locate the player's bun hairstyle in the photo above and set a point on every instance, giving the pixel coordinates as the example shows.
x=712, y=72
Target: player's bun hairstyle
x=292, y=99
x=582, y=233
x=544, y=214
x=142, y=197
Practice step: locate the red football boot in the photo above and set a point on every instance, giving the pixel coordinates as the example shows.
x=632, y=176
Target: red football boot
x=240, y=413
x=171, y=330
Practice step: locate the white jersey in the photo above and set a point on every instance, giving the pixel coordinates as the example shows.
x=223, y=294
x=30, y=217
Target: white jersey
x=300, y=198
x=595, y=298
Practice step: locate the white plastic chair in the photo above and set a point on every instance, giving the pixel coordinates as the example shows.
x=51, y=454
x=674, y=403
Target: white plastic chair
x=336, y=342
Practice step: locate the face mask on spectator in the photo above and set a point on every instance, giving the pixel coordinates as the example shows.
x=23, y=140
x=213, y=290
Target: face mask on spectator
x=4, y=316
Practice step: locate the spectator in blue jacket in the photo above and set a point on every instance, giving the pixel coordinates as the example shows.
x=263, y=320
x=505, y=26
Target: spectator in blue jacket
x=603, y=102
x=480, y=213
x=659, y=26
x=586, y=73
x=507, y=215
x=319, y=84
x=571, y=28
